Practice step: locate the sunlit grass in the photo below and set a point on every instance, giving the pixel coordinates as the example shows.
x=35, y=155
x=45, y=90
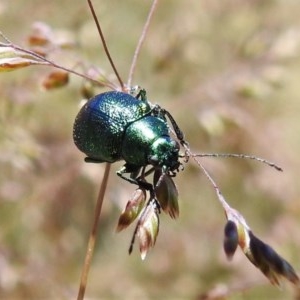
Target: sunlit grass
x=233, y=63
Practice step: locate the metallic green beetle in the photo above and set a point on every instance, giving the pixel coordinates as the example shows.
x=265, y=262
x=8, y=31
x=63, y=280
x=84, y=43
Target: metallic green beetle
x=116, y=126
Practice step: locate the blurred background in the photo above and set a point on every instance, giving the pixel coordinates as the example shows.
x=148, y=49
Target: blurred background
x=229, y=73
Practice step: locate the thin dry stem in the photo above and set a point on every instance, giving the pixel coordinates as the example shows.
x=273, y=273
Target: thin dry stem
x=221, y=198
x=5, y=38
x=140, y=43
x=104, y=44
x=49, y=62
x=93, y=234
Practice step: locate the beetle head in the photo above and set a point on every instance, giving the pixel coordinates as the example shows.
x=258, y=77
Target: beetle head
x=164, y=153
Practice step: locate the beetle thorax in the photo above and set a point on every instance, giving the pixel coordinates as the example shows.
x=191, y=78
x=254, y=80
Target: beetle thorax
x=147, y=142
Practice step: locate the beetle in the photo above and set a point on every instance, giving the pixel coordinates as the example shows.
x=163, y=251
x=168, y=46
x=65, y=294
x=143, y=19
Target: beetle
x=115, y=126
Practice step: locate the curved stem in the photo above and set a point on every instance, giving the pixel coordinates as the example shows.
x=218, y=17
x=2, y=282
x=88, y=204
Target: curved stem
x=104, y=44
x=51, y=63
x=140, y=42
x=207, y=175
x=93, y=234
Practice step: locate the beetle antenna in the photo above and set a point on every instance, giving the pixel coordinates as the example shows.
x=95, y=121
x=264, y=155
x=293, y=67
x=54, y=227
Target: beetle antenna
x=236, y=155
x=188, y=153
x=104, y=43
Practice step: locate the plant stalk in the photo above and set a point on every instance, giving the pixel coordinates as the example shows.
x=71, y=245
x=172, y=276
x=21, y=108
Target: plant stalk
x=93, y=234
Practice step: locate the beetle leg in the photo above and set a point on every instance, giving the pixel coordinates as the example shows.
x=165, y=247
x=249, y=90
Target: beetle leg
x=93, y=160
x=163, y=113
x=150, y=171
x=141, y=95
x=178, y=131
x=133, y=170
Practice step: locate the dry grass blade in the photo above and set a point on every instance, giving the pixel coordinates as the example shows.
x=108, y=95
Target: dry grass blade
x=105, y=45
x=140, y=42
x=47, y=62
x=93, y=234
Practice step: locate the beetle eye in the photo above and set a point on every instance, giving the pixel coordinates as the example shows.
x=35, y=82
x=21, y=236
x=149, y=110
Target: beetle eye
x=176, y=145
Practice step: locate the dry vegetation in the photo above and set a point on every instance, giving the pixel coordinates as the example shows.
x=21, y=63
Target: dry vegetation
x=229, y=72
